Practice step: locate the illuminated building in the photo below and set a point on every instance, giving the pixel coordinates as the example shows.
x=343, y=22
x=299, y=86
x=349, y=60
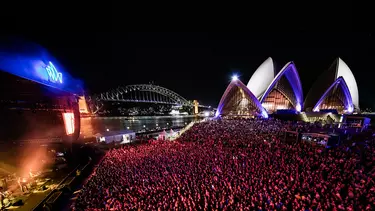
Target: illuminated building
x=336, y=89
x=39, y=99
x=277, y=90
x=238, y=101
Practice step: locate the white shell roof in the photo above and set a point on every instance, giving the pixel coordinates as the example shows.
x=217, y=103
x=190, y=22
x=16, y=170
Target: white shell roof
x=262, y=78
x=344, y=71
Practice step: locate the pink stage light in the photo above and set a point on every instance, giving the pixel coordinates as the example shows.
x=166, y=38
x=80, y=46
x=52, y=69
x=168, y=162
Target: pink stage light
x=69, y=123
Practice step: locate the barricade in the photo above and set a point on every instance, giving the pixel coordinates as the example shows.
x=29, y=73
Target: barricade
x=48, y=205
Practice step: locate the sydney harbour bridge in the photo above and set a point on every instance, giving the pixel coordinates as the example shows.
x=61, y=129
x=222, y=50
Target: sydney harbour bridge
x=141, y=94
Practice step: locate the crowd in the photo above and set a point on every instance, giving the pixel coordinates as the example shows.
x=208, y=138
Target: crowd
x=233, y=165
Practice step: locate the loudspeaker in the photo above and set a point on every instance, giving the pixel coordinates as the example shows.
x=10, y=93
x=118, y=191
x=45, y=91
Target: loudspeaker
x=47, y=207
x=18, y=203
x=42, y=188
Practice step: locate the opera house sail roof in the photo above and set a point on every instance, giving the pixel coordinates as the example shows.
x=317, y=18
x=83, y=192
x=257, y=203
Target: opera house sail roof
x=262, y=78
x=336, y=97
x=238, y=100
x=285, y=91
x=338, y=76
x=277, y=89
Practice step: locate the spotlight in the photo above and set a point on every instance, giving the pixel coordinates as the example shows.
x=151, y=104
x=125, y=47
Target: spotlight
x=265, y=114
x=234, y=78
x=298, y=107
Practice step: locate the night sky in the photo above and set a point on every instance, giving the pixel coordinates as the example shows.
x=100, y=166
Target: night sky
x=199, y=65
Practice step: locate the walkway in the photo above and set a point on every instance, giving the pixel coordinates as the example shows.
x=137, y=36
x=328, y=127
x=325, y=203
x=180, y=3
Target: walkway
x=183, y=130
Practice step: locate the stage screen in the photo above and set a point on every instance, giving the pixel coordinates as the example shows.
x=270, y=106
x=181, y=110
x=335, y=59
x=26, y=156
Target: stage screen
x=69, y=123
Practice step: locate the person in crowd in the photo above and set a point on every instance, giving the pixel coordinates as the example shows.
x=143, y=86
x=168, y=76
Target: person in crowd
x=2, y=198
x=22, y=185
x=240, y=164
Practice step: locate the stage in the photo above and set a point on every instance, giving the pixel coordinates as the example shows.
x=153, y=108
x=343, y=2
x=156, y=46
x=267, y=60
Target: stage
x=28, y=200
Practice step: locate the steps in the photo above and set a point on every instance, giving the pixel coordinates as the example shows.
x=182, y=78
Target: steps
x=304, y=117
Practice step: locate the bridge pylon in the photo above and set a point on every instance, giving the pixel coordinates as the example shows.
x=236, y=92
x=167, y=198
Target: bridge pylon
x=196, y=106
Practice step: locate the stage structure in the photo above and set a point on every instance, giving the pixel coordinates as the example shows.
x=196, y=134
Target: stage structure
x=39, y=99
x=239, y=101
x=277, y=90
x=336, y=89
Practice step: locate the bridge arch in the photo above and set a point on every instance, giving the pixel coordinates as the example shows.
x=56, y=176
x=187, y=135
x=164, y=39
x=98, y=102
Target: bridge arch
x=147, y=93
x=139, y=93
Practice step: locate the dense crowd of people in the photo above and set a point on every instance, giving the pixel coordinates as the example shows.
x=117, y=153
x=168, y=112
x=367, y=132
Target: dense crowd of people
x=233, y=165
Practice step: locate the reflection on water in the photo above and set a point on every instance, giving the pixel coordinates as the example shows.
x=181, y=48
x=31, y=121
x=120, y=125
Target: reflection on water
x=93, y=125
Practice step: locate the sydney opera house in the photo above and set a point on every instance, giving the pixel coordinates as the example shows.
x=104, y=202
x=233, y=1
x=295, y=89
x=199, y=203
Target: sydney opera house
x=271, y=90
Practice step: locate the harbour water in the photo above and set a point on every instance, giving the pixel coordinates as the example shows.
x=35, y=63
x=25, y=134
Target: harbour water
x=93, y=125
